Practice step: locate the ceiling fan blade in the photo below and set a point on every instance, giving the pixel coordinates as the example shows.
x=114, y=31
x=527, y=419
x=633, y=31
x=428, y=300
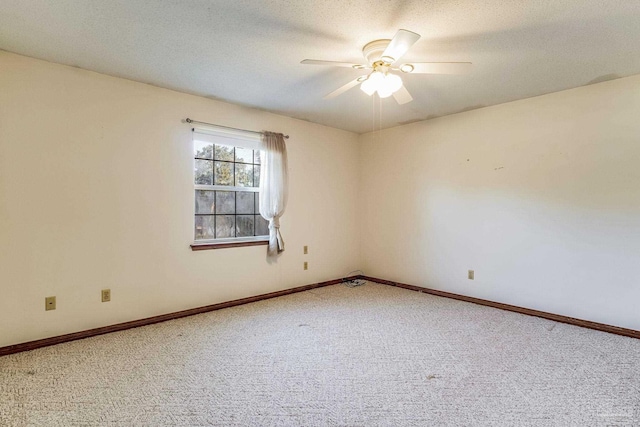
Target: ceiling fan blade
x=402, y=95
x=440, y=67
x=343, y=89
x=400, y=44
x=334, y=64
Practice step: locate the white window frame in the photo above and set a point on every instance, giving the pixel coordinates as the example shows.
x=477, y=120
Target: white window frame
x=224, y=136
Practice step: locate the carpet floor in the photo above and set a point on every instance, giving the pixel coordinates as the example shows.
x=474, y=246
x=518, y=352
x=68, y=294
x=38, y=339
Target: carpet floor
x=335, y=356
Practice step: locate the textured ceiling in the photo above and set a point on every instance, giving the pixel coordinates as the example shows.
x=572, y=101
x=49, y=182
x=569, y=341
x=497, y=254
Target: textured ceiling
x=249, y=51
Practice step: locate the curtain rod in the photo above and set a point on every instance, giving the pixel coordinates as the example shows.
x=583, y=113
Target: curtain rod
x=188, y=120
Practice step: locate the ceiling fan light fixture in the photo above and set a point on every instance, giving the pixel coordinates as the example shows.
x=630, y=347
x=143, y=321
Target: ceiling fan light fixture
x=383, y=83
x=406, y=68
x=384, y=77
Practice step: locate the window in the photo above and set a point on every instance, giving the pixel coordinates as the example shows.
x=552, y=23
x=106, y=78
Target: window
x=227, y=177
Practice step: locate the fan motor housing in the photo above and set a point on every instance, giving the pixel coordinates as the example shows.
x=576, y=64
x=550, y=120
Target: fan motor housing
x=373, y=51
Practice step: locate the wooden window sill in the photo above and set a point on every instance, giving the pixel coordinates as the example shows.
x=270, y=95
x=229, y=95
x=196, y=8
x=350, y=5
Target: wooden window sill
x=207, y=246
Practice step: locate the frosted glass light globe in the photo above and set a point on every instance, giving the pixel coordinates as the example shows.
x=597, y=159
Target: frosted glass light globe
x=384, y=93
x=372, y=83
x=376, y=77
x=392, y=82
x=384, y=84
x=368, y=87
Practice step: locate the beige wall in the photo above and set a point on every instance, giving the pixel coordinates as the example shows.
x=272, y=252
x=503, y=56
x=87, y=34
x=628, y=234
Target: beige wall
x=541, y=197
x=96, y=191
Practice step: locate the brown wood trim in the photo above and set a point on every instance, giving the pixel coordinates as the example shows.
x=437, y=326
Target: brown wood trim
x=550, y=316
x=32, y=345
x=207, y=246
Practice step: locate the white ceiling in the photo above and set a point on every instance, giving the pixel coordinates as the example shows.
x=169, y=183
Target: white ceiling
x=249, y=51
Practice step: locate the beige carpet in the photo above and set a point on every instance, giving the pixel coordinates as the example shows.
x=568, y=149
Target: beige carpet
x=335, y=356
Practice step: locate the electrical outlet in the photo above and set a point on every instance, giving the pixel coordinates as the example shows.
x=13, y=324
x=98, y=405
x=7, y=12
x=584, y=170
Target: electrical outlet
x=471, y=275
x=50, y=303
x=106, y=295
x=305, y=250
x=306, y=265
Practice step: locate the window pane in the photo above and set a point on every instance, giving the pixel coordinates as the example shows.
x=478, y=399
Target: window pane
x=225, y=225
x=244, y=175
x=224, y=152
x=256, y=176
x=203, y=150
x=227, y=214
x=203, y=172
x=244, y=155
x=205, y=202
x=245, y=202
x=204, y=227
x=225, y=202
x=262, y=226
x=224, y=173
x=257, y=196
x=244, y=225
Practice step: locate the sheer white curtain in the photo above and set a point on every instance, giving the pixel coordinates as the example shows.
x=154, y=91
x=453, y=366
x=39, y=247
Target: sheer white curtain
x=273, y=187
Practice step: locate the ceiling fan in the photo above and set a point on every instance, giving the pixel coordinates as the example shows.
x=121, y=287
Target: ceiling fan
x=383, y=58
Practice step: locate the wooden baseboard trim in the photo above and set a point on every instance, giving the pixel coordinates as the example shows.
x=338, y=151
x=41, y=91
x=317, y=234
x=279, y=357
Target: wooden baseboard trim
x=550, y=316
x=32, y=345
